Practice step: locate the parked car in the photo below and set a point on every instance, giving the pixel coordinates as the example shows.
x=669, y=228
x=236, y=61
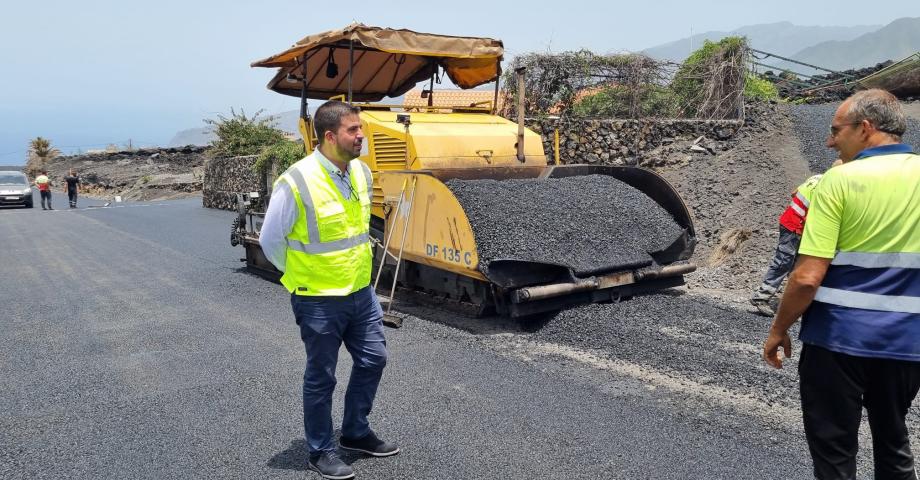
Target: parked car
x=15, y=189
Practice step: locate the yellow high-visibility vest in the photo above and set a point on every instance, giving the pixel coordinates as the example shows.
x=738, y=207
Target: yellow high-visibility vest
x=328, y=250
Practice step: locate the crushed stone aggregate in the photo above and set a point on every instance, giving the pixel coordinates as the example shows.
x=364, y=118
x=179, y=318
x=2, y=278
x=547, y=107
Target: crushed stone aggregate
x=812, y=123
x=583, y=222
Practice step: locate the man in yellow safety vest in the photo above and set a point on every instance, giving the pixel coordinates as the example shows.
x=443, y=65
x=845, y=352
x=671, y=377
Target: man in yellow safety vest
x=316, y=231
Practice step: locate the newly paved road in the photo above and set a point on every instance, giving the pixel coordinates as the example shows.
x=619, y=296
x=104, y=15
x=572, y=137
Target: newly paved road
x=132, y=345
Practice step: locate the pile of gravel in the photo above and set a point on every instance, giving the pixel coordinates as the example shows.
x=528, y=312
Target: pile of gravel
x=693, y=337
x=812, y=123
x=583, y=222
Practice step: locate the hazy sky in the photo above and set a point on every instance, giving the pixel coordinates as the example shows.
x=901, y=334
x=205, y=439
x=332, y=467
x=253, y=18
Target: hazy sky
x=89, y=73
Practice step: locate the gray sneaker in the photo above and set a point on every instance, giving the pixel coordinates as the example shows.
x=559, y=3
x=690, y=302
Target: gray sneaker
x=370, y=445
x=329, y=465
x=763, y=307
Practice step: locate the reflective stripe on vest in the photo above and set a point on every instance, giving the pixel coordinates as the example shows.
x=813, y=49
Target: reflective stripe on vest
x=793, y=217
x=868, y=305
x=797, y=209
x=327, y=247
x=369, y=177
x=868, y=301
x=310, y=210
x=800, y=200
x=877, y=260
x=887, y=282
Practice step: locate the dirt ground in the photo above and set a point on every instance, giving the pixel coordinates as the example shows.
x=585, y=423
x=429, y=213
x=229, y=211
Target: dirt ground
x=912, y=110
x=736, y=198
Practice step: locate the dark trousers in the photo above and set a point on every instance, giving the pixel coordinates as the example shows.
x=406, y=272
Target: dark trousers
x=72, y=196
x=835, y=387
x=325, y=324
x=781, y=264
x=46, y=197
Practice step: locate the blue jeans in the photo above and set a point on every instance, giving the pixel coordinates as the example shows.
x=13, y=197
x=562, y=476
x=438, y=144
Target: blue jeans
x=325, y=323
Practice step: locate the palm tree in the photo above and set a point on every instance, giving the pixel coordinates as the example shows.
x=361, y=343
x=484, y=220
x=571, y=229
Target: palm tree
x=40, y=151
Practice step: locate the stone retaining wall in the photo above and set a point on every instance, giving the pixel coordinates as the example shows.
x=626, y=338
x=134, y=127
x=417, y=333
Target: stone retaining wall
x=591, y=141
x=622, y=142
x=225, y=177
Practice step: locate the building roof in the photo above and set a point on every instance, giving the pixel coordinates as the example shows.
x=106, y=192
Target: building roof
x=451, y=98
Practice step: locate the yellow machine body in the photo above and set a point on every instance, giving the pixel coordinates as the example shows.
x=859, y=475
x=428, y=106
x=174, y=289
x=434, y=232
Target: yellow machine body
x=436, y=140
x=439, y=234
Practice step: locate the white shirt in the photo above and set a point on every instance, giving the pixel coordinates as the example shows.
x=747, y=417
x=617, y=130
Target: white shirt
x=282, y=212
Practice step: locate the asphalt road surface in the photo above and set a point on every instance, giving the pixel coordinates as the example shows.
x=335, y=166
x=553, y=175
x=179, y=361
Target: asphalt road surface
x=134, y=346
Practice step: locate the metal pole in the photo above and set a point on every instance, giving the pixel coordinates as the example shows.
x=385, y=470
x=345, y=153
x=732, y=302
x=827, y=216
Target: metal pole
x=798, y=62
x=431, y=88
x=556, y=143
x=351, y=65
x=520, y=109
x=771, y=67
x=303, y=90
x=495, y=97
x=402, y=244
x=386, y=243
x=305, y=125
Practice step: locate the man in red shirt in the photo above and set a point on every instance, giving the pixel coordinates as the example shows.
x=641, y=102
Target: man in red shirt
x=791, y=225
x=44, y=189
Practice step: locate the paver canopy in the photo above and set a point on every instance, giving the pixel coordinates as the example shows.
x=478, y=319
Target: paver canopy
x=387, y=62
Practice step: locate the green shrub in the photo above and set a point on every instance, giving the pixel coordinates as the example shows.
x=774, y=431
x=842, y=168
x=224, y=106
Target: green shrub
x=285, y=153
x=616, y=101
x=759, y=88
x=658, y=101
x=692, y=75
x=611, y=101
x=241, y=135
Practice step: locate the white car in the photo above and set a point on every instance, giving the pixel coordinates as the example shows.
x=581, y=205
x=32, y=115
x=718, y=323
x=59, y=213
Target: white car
x=15, y=189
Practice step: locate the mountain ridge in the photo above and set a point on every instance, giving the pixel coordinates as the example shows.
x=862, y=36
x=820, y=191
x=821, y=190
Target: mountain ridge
x=782, y=38
x=894, y=41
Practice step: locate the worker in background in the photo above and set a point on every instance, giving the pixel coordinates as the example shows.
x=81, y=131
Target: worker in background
x=71, y=182
x=316, y=232
x=44, y=189
x=791, y=224
x=856, y=286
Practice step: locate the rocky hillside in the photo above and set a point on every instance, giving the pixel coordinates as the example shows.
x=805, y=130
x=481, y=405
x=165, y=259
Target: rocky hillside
x=144, y=174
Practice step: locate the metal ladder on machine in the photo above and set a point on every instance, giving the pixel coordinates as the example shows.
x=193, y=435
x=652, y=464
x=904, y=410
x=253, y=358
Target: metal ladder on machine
x=391, y=319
